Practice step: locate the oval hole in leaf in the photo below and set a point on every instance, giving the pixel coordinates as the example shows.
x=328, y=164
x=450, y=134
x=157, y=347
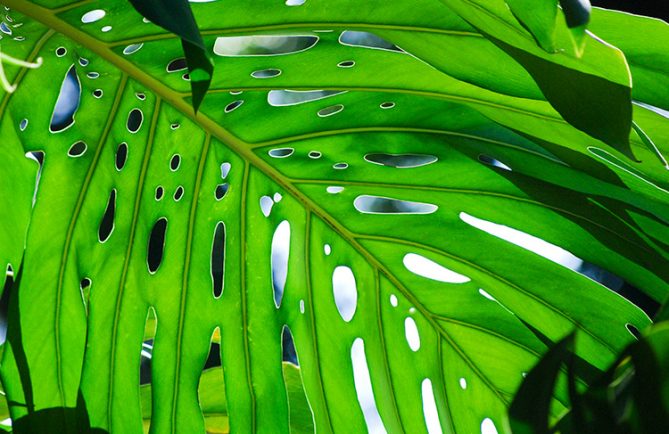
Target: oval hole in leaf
x=401, y=161
x=463, y=383
x=354, y=38
x=259, y=45
x=430, y=412
x=266, y=73
x=77, y=149
x=279, y=260
x=429, y=269
x=281, y=152
x=23, y=124
x=67, y=102
x=285, y=98
x=488, y=426
x=346, y=64
x=160, y=191
x=330, y=111
x=175, y=162
x=233, y=105
x=107, y=224
x=314, y=155
x=135, y=119
x=345, y=292
x=633, y=330
x=486, y=159
x=266, y=204
x=367, y=204
x=526, y=241
x=121, y=156
x=218, y=259
x=177, y=65
x=411, y=334
x=221, y=190
x=156, y=248
x=225, y=169
x=93, y=16
x=60, y=51
x=178, y=193
x=363, y=388
x=132, y=48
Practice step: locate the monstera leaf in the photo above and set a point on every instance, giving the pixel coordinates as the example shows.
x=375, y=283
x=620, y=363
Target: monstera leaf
x=382, y=183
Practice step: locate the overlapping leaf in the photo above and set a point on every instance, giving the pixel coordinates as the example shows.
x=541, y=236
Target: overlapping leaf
x=400, y=157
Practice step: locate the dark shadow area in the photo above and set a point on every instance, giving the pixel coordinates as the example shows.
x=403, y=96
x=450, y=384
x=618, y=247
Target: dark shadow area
x=54, y=421
x=650, y=8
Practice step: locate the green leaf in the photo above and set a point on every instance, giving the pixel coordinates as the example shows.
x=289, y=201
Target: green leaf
x=568, y=82
x=177, y=17
x=539, y=18
x=530, y=410
x=384, y=160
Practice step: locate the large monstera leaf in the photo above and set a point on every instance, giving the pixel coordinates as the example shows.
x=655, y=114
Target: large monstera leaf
x=399, y=214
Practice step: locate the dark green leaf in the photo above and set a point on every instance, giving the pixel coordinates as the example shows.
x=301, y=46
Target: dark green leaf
x=530, y=409
x=177, y=17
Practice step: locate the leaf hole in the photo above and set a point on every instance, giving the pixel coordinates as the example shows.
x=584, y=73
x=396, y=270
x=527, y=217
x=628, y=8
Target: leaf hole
x=93, y=16
x=281, y=152
x=121, y=156
x=488, y=426
x=107, y=224
x=345, y=292
x=178, y=193
x=346, y=64
x=233, y=105
x=156, y=245
x=286, y=98
x=266, y=204
x=221, y=191
x=266, y=73
x=430, y=412
x=411, y=334
x=429, y=269
x=77, y=149
x=279, y=260
x=354, y=38
x=486, y=159
x=330, y=111
x=217, y=265
x=400, y=161
x=363, y=388
x=633, y=330
x=225, y=169
x=160, y=192
x=367, y=204
x=67, y=102
x=176, y=65
x=135, y=119
x=261, y=45
x=132, y=48
x=175, y=162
